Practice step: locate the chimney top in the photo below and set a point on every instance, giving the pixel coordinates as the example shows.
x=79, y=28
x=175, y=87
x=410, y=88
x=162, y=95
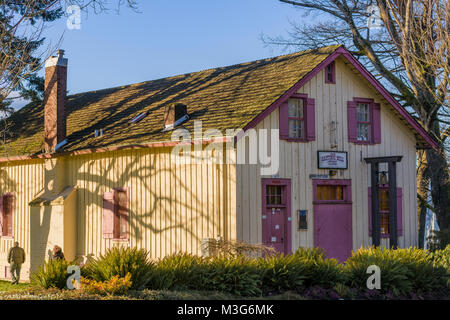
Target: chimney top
x=56, y=60
x=174, y=115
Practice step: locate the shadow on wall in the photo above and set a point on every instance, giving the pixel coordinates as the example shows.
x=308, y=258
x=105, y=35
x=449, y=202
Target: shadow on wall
x=40, y=221
x=167, y=213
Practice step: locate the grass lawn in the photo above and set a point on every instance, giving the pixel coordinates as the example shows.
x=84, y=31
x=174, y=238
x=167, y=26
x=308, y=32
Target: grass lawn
x=6, y=286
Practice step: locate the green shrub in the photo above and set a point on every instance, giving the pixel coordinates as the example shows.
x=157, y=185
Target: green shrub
x=325, y=273
x=316, y=270
x=282, y=273
x=402, y=270
x=238, y=276
x=53, y=274
x=177, y=272
x=119, y=262
x=113, y=286
x=441, y=257
x=235, y=275
x=439, y=240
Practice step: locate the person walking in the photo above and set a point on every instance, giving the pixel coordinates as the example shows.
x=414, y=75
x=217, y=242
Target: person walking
x=16, y=257
x=57, y=253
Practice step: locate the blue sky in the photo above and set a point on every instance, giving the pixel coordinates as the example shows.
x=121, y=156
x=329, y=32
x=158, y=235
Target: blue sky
x=168, y=38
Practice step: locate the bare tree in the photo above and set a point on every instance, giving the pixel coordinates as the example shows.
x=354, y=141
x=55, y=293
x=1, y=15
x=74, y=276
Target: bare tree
x=409, y=54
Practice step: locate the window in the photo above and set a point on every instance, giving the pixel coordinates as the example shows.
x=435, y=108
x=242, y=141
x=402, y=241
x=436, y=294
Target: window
x=363, y=126
x=364, y=121
x=329, y=192
x=332, y=191
x=7, y=214
x=383, y=196
x=296, y=119
x=383, y=206
x=274, y=195
x=330, y=73
x=121, y=214
x=115, y=214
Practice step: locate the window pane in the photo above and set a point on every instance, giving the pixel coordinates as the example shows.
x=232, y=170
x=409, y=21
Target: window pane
x=384, y=200
x=363, y=131
x=295, y=128
x=384, y=223
x=330, y=192
x=273, y=195
x=295, y=108
x=362, y=112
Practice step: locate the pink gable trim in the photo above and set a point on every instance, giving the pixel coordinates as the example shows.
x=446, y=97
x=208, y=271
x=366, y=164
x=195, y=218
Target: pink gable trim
x=342, y=51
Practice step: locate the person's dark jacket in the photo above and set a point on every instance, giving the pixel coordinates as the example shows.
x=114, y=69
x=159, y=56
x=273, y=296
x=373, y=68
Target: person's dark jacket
x=59, y=255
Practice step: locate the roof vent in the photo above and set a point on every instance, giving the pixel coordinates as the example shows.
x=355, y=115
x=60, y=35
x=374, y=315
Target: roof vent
x=61, y=144
x=138, y=118
x=174, y=115
x=98, y=133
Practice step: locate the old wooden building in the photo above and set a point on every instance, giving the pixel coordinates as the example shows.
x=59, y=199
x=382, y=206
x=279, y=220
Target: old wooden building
x=97, y=169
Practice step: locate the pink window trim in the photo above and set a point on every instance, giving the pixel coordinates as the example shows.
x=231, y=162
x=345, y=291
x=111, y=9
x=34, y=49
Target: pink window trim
x=308, y=119
x=332, y=71
x=375, y=121
x=346, y=183
x=287, y=203
x=399, y=212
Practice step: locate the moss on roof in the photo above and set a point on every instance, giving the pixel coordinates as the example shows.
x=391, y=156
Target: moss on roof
x=222, y=98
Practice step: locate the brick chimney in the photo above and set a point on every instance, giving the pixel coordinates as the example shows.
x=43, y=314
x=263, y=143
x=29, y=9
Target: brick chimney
x=55, y=101
x=174, y=115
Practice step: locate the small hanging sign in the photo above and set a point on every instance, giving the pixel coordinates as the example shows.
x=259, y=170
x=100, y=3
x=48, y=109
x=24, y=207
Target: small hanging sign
x=332, y=160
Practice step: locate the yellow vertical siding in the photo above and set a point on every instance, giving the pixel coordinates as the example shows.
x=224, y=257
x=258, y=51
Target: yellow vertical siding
x=172, y=206
x=25, y=179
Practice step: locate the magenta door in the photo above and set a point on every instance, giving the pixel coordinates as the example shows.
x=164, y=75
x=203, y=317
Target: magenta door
x=276, y=215
x=333, y=218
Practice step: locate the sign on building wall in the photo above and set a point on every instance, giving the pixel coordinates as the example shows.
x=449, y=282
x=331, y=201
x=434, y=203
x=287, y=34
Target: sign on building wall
x=332, y=159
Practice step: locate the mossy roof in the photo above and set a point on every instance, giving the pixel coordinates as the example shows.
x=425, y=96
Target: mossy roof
x=222, y=98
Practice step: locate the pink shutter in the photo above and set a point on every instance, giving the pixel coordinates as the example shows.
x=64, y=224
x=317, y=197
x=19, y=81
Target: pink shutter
x=310, y=120
x=284, y=123
x=108, y=215
x=376, y=123
x=399, y=212
x=351, y=121
x=123, y=212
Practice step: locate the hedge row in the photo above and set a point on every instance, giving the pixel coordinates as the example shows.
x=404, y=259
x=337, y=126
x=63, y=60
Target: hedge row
x=403, y=271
